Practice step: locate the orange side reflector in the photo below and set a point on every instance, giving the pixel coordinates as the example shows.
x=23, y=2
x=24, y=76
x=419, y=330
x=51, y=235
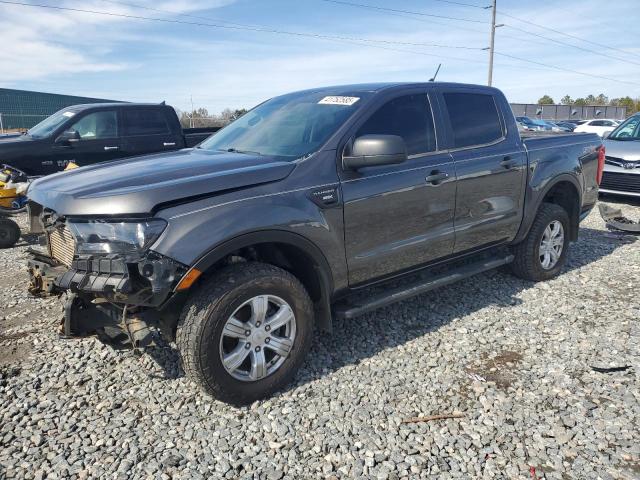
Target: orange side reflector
x=190, y=277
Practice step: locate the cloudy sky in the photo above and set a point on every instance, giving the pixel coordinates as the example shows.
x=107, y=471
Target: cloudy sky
x=225, y=53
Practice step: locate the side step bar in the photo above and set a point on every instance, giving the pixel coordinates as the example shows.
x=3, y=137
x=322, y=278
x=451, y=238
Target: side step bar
x=350, y=309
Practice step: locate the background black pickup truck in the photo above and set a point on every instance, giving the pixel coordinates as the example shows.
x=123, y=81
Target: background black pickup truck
x=314, y=205
x=88, y=134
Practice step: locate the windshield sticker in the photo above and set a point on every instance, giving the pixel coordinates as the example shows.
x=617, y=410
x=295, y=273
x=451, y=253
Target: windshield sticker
x=68, y=114
x=347, y=101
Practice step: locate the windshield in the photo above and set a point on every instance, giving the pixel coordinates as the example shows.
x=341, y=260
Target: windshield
x=628, y=130
x=291, y=126
x=50, y=124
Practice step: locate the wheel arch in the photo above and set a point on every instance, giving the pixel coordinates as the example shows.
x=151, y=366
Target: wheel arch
x=563, y=190
x=288, y=250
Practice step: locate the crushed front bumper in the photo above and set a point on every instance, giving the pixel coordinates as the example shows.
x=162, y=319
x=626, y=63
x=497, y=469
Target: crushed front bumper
x=147, y=282
x=107, y=296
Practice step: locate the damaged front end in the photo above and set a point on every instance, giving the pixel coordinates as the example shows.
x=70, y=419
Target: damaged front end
x=112, y=280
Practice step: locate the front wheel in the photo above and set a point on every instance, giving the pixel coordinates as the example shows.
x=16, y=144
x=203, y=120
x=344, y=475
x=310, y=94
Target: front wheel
x=245, y=332
x=543, y=253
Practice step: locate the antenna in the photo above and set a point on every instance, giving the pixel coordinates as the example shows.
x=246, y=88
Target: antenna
x=433, y=79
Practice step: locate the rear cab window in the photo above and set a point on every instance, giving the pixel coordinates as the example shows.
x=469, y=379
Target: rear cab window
x=144, y=121
x=475, y=119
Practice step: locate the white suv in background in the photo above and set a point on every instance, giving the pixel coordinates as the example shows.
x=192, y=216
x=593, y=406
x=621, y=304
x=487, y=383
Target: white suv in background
x=601, y=126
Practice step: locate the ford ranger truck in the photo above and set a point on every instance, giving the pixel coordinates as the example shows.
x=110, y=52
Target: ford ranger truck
x=315, y=205
x=97, y=132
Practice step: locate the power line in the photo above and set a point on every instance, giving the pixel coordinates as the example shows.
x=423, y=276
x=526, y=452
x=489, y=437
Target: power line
x=569, y=35
x=555, y=67
x=385, y=9
x=343, y=39
x=529, y=32
x=462, y=4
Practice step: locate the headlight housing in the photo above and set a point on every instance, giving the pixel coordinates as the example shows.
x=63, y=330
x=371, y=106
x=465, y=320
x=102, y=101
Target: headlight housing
x=126, y=237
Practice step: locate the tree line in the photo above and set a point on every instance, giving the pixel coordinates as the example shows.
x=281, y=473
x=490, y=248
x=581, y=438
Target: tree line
x=201, y=117
x=633, y=105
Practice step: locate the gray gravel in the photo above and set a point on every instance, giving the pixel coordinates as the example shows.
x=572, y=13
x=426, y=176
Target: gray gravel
x=514, y=357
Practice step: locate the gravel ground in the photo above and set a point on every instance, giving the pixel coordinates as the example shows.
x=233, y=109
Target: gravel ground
x=514, y=358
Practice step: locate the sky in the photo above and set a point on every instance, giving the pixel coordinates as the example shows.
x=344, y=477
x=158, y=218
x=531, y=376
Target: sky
x=203, y=51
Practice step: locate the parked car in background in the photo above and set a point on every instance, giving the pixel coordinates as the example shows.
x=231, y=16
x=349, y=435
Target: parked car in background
x=93, y=133
x=524, y=128
x=622, y=165
x=568, y=126
x=601, y=126
x=243, y=247
x=556, y=127
x=534, y=125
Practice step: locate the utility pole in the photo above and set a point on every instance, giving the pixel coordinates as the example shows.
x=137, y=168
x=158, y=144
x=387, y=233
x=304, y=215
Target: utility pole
x=192, y=113
x=491, y=45
x=493, y=38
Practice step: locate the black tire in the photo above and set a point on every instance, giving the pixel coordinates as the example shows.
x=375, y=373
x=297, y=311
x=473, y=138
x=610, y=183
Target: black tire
x=9, y=233
x=527, y=263
x=206, y=312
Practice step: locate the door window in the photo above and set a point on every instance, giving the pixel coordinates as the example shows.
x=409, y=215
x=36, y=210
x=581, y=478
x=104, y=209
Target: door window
x=144, y=122
x=97, y=125
x=474, y=119
x=410, y=118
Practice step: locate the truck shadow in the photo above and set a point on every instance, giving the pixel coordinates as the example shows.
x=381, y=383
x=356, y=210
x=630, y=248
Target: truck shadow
x=400, y=323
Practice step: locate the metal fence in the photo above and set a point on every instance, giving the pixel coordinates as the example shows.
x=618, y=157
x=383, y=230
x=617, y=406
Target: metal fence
x=566, y=112
x=18, y=123
x=22, y=109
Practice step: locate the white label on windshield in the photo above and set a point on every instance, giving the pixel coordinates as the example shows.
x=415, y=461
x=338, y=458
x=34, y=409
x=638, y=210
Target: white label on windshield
x=68, y=114
x=347, y=101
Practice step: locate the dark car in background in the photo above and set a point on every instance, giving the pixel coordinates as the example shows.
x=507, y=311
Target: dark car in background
x=566, y=126
x=534, y=125
x=98, y=132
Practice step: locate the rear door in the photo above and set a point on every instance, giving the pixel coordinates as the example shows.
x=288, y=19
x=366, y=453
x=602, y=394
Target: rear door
x=147, y=130
x=99, y=140
x=490, y=166
x=398, y=217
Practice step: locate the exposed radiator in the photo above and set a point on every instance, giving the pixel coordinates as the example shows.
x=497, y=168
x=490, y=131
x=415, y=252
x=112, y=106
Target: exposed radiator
x=62, y=245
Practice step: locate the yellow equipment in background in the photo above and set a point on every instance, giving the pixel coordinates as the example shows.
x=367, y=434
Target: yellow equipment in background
x=13, y=185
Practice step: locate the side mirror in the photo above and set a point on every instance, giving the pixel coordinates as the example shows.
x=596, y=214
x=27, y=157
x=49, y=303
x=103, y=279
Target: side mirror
x=606, y=134
x=68, y=137
x=374, y=150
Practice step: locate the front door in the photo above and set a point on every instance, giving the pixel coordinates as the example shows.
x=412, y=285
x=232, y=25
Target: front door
x=490, y=167
x=399, y=216
x=98, y=141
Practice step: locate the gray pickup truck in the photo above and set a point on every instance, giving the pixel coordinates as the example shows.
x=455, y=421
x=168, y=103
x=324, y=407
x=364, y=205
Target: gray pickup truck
x=313, y=206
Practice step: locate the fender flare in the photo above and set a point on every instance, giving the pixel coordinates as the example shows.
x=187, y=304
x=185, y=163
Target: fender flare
x=320, y=263
x=530, y=213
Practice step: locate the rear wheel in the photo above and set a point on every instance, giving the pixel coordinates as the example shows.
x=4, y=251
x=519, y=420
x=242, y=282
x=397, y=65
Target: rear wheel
x=9, y=233
x=245, y=332
x=543, y=253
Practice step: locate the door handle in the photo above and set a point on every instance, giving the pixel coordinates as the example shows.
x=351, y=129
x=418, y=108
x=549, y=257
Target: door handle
x=169, y=144
x=508, y=163
x=106, y=149
x=436, y=177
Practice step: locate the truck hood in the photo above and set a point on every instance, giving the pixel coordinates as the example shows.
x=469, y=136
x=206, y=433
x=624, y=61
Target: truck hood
x=11, y=140
x=137, y=185
x=623, y=149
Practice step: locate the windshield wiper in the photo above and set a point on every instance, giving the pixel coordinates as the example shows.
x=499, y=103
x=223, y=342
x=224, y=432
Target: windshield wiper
x=235, y=150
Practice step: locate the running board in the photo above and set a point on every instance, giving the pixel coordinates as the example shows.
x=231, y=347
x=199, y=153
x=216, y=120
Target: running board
x=349, y=308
